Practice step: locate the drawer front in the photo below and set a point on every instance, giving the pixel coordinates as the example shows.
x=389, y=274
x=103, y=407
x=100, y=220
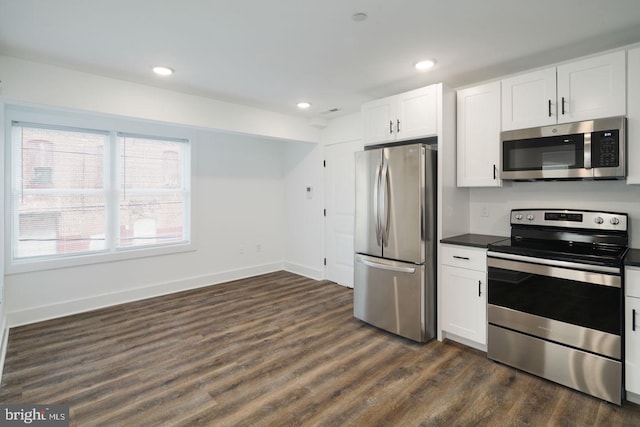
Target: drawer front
x=464, y=257
x=632, y=282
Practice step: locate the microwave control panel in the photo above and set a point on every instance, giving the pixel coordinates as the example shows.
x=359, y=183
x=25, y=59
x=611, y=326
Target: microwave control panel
x=605, y=149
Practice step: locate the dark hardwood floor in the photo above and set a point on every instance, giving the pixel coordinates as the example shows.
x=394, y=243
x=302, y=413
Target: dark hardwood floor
x=275, y=350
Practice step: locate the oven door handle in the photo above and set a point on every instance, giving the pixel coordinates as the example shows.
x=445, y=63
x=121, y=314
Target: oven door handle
x=612, y=280
x=555, y=263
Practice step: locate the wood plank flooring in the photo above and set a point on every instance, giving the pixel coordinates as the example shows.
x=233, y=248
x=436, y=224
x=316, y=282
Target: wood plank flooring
x=275, y=350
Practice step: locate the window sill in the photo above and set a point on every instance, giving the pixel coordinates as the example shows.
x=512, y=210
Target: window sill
x=21, y=267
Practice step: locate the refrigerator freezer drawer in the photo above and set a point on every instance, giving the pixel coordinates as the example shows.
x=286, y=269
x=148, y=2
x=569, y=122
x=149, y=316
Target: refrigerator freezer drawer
x=391, y=296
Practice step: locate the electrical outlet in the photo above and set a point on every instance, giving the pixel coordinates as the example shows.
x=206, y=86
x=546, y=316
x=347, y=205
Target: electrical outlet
x=259, y=247
x=484, y=211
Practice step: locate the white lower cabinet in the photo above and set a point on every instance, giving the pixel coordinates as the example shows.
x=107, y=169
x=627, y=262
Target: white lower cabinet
x=632, y=333
x=464, y=295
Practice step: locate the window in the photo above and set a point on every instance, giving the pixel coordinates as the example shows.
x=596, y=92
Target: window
x=151, y=205
x=82, y=192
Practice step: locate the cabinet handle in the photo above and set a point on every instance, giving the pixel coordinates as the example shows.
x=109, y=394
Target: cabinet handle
x=479, y=288
x=398, y=125
x=633, y=320
x=390, y=126
x=494, y=172
x=461, y=257
x=549, y=108
x=563, y=105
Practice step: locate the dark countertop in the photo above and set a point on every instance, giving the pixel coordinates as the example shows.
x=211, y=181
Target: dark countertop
x=632, y=258
x=473, y=240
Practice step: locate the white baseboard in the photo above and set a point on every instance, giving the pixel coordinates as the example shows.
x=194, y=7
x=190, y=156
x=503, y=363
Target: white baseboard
x=633, y=398
x=302, y=270
x=464, y=341
x=52, y=311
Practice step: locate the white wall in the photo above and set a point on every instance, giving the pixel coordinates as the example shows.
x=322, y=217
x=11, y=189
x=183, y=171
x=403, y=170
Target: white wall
x=4, y=335
x=239, y=204
x=343, y=129
x=250, y=210
x=614, y=196
x=31, y=82
x=304, y=218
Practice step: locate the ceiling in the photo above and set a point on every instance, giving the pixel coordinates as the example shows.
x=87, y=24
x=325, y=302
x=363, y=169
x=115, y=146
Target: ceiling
x=273, y=54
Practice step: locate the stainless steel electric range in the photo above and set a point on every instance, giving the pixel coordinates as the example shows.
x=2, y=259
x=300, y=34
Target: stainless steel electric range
x=555, y=298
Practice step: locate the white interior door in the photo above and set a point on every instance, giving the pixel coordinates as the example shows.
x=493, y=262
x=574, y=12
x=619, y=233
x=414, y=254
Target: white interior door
x=340, y=205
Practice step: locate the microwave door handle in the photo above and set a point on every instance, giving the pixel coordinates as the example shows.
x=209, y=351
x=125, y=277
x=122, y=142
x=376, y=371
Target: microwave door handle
x=587, y=150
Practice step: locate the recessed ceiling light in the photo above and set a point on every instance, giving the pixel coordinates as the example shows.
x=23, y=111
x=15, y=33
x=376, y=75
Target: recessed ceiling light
x=359, y=17
x=162, y=71
x=425, y=65
x=303, y=105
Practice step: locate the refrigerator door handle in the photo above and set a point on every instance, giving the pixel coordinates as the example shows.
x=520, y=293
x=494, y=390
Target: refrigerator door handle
x=376, y=204
x=384, y=227
x=386, y=267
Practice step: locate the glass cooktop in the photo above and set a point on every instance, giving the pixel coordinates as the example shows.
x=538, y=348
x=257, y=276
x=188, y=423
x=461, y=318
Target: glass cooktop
x=562, y=250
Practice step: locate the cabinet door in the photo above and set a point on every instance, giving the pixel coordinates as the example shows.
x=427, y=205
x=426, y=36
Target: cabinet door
x=416, y=113
x=592, y=88
x=633, y=115
x=479, y=136
x=464, y=311
x=632, y=344
x=379, y=120
x=529, y=100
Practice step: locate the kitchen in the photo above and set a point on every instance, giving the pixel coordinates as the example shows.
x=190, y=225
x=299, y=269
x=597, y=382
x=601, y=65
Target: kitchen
x=294, y=167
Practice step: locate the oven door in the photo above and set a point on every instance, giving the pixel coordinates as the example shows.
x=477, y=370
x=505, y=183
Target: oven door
x=549, y=157
x=568, y=303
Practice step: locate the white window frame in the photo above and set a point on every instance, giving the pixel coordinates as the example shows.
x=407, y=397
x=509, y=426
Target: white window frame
x=114, y=126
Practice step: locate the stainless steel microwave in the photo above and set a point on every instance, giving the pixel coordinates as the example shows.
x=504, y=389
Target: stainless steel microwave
x=593, y=149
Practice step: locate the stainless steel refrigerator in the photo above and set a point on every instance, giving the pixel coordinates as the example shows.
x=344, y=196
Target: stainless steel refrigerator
x=395, y=239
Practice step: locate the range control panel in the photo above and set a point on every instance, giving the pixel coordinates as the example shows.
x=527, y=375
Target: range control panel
x=570, y=218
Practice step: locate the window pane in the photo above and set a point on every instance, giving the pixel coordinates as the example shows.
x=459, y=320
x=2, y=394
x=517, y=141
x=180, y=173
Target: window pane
x=151, y=219
x=148, y=163
x=152, y=194
x=57, y=225
x=58, y=192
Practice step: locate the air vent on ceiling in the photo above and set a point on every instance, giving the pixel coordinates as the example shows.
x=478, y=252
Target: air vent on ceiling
x=333, y=110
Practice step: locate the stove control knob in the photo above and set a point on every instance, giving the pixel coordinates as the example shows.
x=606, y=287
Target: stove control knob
x=614, y=221
x=598, y=220
x=519, y=217
x=530, y=217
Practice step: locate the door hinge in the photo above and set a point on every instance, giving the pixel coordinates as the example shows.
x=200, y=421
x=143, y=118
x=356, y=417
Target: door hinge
x=324, y=163
x=325, y=261
x=325, y=212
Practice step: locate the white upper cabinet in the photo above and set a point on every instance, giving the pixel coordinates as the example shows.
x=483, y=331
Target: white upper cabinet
x=633, y=116
x=529, y=100
x=592, y=88
x=581, y=90
x=379, y=118
x=478, y=136
x=409, y=115
x=417, y=113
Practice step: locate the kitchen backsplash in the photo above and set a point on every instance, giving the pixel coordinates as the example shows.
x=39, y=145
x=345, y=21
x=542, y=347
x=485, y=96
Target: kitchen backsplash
x=614, y=196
